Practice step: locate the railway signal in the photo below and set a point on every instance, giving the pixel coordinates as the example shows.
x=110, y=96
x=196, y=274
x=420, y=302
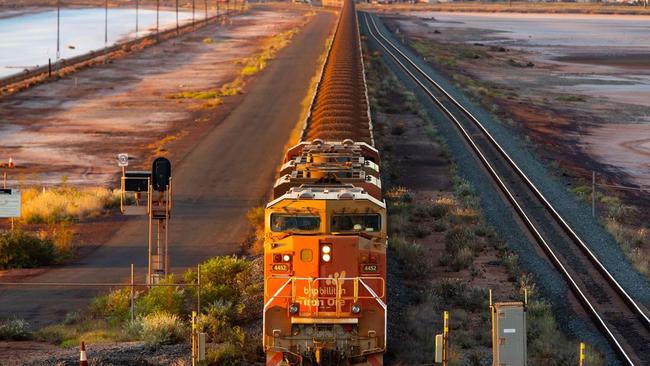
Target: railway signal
x=158, y=182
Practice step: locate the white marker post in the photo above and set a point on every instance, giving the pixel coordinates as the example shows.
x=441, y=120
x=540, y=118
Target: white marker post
x=123, y=161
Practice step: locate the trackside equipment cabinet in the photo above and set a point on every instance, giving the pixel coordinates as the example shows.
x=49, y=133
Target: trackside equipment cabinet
x=509, y=334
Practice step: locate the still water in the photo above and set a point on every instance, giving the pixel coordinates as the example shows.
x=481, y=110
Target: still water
x=29, y=40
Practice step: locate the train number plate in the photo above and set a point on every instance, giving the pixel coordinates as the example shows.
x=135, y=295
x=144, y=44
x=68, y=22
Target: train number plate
x=369, y=268
x=280, y=267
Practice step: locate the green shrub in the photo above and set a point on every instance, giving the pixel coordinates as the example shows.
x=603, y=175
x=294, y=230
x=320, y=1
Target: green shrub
x=20, y=249
x=441, y=208
x=459, y=238
x=162, y=328
x=14, y=330
x=169, y=299
x=546, y=345
x=462, y=259
x=511, y=262
x=462, y=188
x=225, y=355
x=412, y=255
x=218, y=320
x=115, y=306
x=229, y=279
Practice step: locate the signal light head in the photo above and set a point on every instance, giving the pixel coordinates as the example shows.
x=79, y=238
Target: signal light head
x=356, y=308
x=294, y=308
x=327, y=257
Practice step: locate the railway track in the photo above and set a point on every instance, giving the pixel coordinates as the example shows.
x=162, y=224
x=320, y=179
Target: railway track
x=623, y=322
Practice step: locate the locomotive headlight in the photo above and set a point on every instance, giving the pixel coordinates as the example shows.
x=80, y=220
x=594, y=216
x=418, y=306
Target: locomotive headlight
x=286, y=257
x=326, y=249
x=356, y=308
x=327, y=257
x=294, y=308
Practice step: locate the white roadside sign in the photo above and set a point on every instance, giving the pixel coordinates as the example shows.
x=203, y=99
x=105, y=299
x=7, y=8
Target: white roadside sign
x=122, y=160
x=9, y=203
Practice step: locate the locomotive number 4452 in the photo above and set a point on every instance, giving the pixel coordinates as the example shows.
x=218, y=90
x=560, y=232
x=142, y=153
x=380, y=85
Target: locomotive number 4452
x=369, y=268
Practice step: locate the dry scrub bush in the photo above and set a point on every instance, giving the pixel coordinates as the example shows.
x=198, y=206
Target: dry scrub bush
x=412, y=255
x=14, y=330
x=162, y=328
x=66, y=203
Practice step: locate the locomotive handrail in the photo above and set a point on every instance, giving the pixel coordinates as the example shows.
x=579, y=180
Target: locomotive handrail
x=338, y=281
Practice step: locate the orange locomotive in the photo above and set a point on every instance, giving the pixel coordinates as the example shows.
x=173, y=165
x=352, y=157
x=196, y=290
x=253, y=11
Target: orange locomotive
x=325, y=230
x=325, y=260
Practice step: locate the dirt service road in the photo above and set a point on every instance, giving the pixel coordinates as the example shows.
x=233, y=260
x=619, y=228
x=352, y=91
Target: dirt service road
x=229, y=170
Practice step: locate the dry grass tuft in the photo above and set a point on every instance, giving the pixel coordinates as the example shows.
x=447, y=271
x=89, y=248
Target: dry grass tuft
x=66, y=203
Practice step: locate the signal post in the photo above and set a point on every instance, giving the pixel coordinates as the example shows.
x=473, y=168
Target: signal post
x=150, y=193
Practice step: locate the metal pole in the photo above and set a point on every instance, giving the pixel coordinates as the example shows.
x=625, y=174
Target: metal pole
x=137, y=13
x=205, y=4
x=176, y=16
x=166, y=247
x=198, y=288
x=193, y=11
x=157, y=20
x=132, y=293
x=217, y=8
x=4, y=180
x=150, y=244
x=58, y=30
x=582, y=354
x=445, y=339
x=105, y=23
x=194, y=345
x=593, y=193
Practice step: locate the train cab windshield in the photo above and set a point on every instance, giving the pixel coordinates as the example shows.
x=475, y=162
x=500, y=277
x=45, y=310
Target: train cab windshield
x=286, y=222
x=356, y=223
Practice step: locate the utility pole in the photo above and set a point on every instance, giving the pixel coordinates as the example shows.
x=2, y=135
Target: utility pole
x=157, y=20
x=105, y=23
x=137, y=12
x=58, y=29
x=205, y=5
x=582, y=354
x=193, y=11
x=176, y=16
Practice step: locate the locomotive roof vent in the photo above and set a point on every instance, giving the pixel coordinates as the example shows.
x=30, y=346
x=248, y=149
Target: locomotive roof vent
x=306, y=195
x=345, y=195
x=318, y=142
x=348, y=142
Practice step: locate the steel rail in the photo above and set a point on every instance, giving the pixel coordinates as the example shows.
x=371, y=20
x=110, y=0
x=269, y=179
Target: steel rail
x=525, y=218
x=531, y=185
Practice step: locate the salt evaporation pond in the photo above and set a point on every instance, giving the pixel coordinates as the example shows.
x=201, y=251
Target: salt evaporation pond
x=28, y=41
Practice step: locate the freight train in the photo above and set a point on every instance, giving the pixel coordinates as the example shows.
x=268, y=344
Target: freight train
x=325, y=229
